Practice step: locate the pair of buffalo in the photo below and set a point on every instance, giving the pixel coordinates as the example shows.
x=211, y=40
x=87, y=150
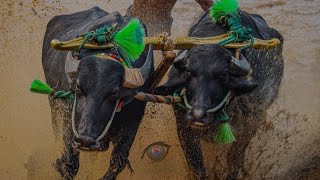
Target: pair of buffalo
x=204, y=71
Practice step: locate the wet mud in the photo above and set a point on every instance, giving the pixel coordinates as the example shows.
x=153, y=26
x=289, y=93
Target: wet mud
x=285, y=147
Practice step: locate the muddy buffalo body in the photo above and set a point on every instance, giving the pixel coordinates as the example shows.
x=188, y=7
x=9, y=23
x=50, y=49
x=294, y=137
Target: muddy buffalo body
x=98, y=86
x=207, y=74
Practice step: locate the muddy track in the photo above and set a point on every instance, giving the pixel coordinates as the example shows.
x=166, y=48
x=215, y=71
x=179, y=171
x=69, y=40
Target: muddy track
x=286, y=146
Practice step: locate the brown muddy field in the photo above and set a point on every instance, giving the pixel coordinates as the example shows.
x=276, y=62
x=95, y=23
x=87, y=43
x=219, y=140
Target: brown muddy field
x=290, y=143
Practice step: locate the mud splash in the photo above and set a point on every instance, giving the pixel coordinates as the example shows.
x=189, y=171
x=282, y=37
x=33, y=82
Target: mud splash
x=286, y=146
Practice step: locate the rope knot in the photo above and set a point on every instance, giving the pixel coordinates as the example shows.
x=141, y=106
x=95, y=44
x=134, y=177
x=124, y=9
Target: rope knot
x=64, y=95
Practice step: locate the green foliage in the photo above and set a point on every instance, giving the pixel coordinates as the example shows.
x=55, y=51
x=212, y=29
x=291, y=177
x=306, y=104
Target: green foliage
x=221, y=8
x=39, y=87
x=224, y=134
x=130, y=40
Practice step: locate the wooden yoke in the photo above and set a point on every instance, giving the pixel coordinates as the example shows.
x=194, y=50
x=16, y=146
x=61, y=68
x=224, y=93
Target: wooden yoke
x=167, y=45
x=185, y=43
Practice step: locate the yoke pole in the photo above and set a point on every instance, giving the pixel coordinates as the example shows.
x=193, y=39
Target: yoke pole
x=167, y=60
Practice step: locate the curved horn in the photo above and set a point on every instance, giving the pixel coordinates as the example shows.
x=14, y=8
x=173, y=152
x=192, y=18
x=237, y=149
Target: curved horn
x=135, y=78
x=239, y=67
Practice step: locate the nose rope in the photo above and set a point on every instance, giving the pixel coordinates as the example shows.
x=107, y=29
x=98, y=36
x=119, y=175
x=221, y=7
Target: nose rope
x=188, y=106
x=106, y=129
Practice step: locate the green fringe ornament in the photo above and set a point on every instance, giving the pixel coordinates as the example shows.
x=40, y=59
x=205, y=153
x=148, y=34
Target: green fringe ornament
x=222, y=8
x=39, y=87
x=130, y=40
x=224, y=133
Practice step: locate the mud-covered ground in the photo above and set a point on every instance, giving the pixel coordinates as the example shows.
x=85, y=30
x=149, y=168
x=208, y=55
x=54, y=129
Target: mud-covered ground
x=288, y=147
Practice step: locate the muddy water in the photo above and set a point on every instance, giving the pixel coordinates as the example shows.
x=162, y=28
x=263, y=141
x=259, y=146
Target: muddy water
x=27, y=145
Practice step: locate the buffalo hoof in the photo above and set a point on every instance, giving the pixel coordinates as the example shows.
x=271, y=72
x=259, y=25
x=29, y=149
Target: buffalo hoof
x=109, y=176
x=67, y=167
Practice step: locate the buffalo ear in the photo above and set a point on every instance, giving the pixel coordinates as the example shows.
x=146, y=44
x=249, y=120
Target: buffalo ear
x=241, y=85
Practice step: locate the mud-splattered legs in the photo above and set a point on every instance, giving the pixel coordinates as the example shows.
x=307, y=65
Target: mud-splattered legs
x=190, y=144
x=123, y=139
x=68, y=164
x=119, y=157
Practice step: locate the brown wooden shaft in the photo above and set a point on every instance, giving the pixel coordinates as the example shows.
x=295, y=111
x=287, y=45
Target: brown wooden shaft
x=168, y=44
x=237, y=54
x=168, y=58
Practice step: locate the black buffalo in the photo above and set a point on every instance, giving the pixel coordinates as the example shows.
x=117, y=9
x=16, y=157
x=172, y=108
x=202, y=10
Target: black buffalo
x=207, y=74
x=98, y=86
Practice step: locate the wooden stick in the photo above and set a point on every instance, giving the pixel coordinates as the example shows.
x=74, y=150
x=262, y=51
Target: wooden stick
x=167, y=61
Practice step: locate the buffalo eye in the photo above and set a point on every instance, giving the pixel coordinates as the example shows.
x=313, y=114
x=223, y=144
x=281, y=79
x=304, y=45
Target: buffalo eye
x=78, y=90
x=224, y=75
x=187, y=75
x=115, y=92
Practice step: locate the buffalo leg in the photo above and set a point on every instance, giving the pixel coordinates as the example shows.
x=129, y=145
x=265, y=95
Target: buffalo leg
x=191, y=147
x=68, y=164
x=123, y=138
x=119, y=157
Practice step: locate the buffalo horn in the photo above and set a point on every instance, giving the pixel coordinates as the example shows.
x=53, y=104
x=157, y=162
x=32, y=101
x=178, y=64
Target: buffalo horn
x=239, y=67
x=136, y=77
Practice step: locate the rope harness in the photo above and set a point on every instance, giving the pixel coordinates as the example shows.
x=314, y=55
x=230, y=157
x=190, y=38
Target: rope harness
x=107, y=127
x=186, y=104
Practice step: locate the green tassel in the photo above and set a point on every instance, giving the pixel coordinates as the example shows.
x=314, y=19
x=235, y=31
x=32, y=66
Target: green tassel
x=130, y=40
x=224, y=134
x=221, y=8
x=39, y=87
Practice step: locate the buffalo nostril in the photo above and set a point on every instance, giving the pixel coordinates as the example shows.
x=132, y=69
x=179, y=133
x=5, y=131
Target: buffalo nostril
x=198, y=114
x=85, y=141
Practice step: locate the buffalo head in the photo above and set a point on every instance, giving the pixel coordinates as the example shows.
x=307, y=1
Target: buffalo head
x=100, y=84
x=208, y=72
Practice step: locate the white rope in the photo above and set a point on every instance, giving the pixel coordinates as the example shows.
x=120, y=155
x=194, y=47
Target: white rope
x=106, y=129
x=224, y=100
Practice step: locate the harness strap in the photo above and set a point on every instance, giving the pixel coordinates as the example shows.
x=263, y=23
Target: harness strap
x=106, y=129
x=132, y=77
x=219, y=106
x=112, y=57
